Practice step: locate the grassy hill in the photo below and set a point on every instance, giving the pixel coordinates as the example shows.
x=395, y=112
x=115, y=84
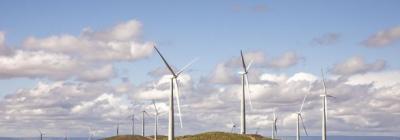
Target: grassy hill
x=202, y=136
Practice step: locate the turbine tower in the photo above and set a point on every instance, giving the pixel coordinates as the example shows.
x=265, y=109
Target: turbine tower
x=143, y=127
x=233, y=126
x=118, y=127
x=132, y=117
x=324, y=107
x=133, y=124
x=174, y=84
x=245, y=83
x=92, y=133
x=156, y=120
x=41, y=134
x=300, y=117
x=274, y=126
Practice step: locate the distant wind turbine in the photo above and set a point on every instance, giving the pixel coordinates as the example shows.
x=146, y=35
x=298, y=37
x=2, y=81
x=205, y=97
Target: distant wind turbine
x=233, y=126
x=300, y=117
x=118, y=127
x=132, y=117
x=41, y=134
x=174, y=83
x=92, y=133
x=324, y=107
x=274, y=126
x=245, y=84
x=155, y=120
x=143, y=122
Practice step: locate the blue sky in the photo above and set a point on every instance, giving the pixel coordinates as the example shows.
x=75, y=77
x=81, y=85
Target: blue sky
x=215, y=32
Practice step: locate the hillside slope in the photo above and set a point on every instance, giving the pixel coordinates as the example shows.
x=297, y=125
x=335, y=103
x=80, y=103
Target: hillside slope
x=202, y=136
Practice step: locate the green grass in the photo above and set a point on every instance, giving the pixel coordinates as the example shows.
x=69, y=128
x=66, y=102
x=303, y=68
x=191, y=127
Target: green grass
x=202, y=136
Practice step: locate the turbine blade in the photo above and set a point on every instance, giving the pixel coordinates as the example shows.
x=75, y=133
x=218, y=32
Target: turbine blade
x=323, y=81
x=302, y=104
x=155, y=107
x=187, y=66
x=243, y=62
x=178, y=102
x=248, y=90
x=165, y=61
x=248, y=66
x=145, y=112
x=304, y=126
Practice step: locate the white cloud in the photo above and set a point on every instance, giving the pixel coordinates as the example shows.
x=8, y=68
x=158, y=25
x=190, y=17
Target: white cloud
x=97, y=105
x=121, y=32
x=326, y=39
x=383, y=38
x=378, y=79
x=286, y=60
x=118, y=43
x=87, y=57
x=37, y=64
x=356, y=64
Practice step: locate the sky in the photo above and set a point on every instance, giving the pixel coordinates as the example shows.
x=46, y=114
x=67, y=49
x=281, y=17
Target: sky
x=70, y=65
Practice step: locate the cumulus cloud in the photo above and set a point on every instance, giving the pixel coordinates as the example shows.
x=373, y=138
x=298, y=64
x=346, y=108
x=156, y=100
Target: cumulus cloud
x=99, y=104
x=61, y=106
x=383, y=38
x=37, y=64
x=356, y=65
x=86, y=57
x=227, y=71
x=286, y=60
x=326, y=39
x=118, y=43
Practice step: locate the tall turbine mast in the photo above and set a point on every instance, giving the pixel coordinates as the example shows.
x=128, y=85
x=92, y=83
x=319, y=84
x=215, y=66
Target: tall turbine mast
x=245, y=84
x=156, y=120
x=143, y=122
x=274, y=127
x=324, y=96
x=41, y=134
x=174, y=84
x=233, y=126
x=300, y=118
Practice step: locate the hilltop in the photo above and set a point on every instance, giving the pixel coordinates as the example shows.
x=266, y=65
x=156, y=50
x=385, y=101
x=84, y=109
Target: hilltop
x=202, y=136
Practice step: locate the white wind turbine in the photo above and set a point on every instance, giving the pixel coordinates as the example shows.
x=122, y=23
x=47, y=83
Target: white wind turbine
x=300, y=117
x=174, y=83
x=233, y=126
x=92, y=133
x=274, y=126
x=156, y=120
x=41, y=134
x=132, y=117
x=324, y=107
x=245, y=85
x=143, y=122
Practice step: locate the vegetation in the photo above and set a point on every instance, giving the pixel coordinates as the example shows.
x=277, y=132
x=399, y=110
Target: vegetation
x=202, y=136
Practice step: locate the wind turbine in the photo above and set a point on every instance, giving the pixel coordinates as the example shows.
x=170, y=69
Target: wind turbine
x=324, y=107
x=245, y=83
x=118, y=128
x=274, y=126
x=156, y=120
x=132, y=117
x=41, y=134
x=174, y=83
x=143, y=122
x=233, y=126
x=300, y=117
x=92, y=133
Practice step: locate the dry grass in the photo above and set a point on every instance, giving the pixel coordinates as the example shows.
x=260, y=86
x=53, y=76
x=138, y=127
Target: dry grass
x=202, y=136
